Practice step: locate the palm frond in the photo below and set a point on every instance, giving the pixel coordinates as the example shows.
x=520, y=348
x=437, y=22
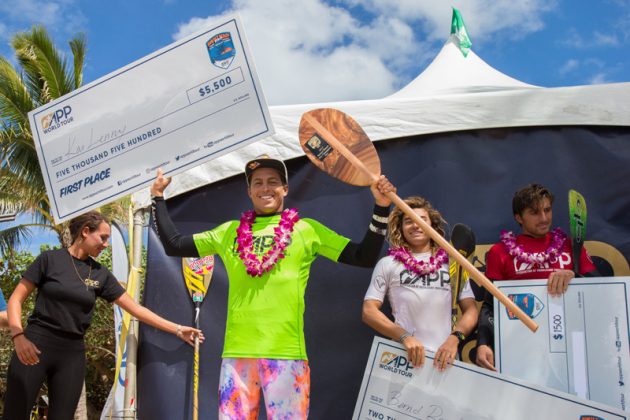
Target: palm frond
x=78, y=45
x=42, y=75
x=118, y=210
x=31, y=75
x=15, y=100
x=36, y=51
x=14, y=237
x=20, y=159
x=27, y=197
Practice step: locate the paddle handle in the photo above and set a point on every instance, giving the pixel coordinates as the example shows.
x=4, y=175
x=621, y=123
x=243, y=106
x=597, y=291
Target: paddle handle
x=439, y=239
x=196, y=381
x=195, y=403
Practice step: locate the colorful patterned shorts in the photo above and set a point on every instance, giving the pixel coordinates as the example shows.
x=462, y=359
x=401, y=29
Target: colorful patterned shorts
x=285, y=386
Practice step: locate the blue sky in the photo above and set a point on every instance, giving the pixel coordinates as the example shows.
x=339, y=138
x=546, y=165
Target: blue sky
x=314, y=50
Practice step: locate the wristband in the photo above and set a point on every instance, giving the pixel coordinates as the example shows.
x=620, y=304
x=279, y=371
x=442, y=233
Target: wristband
x=17, y=335
x=403, y=336
x=460, y=336
x=376, y=230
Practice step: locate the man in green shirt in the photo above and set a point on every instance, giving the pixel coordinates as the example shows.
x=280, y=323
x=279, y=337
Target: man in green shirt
x=267, y=255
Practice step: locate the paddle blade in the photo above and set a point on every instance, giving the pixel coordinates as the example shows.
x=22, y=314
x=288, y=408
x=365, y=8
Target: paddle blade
x=317, y=146
x=463, y=239
x=577, y=217
x=198, y=275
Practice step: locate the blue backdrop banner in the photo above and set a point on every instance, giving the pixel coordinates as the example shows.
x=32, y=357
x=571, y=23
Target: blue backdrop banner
x=469, y=176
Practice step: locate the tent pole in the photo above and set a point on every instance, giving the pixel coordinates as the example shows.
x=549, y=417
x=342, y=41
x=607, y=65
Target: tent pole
x=131, y=404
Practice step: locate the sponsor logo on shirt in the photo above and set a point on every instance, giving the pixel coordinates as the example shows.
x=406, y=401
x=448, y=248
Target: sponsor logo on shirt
x=564, y=260
x=438, y=280
x=92, y=283
x=261, y=244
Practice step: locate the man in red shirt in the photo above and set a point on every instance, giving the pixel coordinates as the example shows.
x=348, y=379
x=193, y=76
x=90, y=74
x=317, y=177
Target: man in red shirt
x=536, y=253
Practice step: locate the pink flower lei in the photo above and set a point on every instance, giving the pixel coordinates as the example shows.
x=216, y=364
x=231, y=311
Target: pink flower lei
x=550, y=255
x=421, y=268
x=282, y=234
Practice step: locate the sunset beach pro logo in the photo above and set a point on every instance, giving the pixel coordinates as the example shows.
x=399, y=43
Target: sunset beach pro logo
x=56, y=119
x=395, y=363
x=221, y=50
x=528, y=302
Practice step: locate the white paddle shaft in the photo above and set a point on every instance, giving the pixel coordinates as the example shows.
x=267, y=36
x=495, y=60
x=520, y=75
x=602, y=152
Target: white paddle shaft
x=477, y=275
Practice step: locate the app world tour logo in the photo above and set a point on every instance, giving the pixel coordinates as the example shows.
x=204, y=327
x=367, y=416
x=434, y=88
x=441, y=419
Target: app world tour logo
x=56, y=119
x=395, y=363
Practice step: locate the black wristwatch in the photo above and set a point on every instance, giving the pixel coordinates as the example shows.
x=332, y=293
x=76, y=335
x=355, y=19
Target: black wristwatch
x=460, y=336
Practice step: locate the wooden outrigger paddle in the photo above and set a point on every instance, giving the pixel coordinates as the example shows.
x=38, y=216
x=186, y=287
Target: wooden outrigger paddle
x=337, y=144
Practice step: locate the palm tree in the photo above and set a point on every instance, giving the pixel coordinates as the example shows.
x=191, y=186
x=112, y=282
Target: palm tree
x=43, y=74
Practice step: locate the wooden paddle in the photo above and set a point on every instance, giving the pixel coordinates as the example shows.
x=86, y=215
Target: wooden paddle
x=197, y=275
x=350, y=156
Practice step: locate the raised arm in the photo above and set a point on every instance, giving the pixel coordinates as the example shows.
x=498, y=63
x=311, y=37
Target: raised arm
x=175, y=244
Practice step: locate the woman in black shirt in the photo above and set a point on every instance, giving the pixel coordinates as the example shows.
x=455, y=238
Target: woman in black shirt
x=51, y=348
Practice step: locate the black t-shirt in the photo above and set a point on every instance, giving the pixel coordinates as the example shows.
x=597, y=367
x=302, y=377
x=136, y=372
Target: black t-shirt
x=65, y=301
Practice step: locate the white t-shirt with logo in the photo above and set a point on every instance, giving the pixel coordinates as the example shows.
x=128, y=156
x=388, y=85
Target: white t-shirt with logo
x=420, y=304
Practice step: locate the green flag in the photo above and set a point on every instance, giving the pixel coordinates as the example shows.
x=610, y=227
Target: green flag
x=458, y=30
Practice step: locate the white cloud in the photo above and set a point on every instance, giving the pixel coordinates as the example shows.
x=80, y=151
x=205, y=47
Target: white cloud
x=576, y=40
x=595, y=62
x=598, y=78
x=4, y=32
x=600, y=39
x=316, y=52
x=36, y=11
x=483, y=18
x=58, y=16
x=359, y=49
x=569, y=66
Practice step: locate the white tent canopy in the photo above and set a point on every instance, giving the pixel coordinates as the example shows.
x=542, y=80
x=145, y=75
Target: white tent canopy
x=454, y=93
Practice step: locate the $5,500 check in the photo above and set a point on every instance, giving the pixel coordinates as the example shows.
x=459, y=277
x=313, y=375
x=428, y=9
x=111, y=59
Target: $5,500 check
x=187, y=103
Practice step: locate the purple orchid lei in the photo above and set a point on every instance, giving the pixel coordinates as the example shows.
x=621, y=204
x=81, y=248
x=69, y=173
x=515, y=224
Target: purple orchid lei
x=282, y=234
x=550, y=255
x=421, y=268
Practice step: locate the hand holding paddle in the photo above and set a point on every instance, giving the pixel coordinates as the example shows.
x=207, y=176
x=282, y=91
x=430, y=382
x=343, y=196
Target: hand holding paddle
x=350, y=156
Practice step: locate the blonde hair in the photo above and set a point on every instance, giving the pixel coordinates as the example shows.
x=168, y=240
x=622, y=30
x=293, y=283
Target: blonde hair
x=394, y=225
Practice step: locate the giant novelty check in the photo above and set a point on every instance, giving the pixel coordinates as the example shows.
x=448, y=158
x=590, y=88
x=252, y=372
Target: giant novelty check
x=185, y=104
x=582, y=346
x=393, y=390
